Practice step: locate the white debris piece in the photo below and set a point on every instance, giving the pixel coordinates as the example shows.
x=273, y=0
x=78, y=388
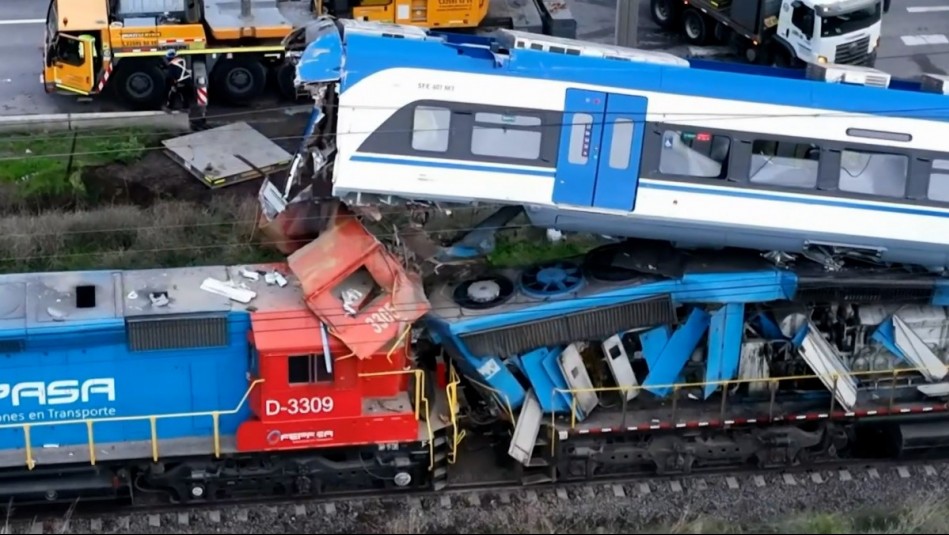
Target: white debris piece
x=280, y=279
x=55, y=313
x=227, y=289
x=158, y=299
x=252, y=275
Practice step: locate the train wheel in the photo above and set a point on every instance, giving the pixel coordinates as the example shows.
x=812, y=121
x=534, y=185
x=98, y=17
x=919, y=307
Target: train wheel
x=141, y=85
x=695, y=26
x=663, y=13
x=239, y=80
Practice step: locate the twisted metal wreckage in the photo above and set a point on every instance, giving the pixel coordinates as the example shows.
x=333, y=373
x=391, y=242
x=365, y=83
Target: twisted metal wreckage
x=668, y=327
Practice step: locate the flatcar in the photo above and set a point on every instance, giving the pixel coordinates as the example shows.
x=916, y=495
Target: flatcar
x=213, y=382
x=836, y=163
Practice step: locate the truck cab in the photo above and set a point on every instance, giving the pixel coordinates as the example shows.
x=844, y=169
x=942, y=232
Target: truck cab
x=784, y=33
x=832, y=31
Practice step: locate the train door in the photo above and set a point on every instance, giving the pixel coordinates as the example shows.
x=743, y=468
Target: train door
x=600, y=145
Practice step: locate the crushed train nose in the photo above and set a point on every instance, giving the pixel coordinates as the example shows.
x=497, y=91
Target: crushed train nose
x=357, y=287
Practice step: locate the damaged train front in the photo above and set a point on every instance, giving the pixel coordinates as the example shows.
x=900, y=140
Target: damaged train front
x=297, y=211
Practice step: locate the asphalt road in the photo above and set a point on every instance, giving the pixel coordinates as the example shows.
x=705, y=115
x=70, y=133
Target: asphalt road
x=915, y=34
x=915, y=40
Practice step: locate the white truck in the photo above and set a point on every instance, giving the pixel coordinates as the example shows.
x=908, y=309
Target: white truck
x=784, y=33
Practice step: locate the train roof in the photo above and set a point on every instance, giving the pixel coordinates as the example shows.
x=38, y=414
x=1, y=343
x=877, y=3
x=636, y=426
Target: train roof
x=349, y=51
x=82, y=300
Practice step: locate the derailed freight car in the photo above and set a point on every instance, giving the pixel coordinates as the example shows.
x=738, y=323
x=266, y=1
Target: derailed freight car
x=642, y=358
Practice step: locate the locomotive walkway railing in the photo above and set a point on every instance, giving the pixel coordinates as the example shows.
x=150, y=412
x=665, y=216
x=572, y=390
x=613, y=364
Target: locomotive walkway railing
x=152, y=419
x=773, y=383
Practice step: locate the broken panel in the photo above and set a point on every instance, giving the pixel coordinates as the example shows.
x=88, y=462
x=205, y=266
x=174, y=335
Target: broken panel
x=620, y=366
x=915, y=350
x=541, y=369
x=676, y=352
x=724, y=345
x=824, y=359
x=357, y=287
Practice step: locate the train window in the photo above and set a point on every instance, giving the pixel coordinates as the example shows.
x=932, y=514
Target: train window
x=311, y=368
x=694, y=154
x=430, y=129
x=939, y=181
x=783, y=163
x=581, y=127
x=873, y=173
x=621, y=145
x=506, y=140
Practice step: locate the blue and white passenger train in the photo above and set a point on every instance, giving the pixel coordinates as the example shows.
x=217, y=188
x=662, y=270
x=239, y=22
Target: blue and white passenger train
x=591, y=138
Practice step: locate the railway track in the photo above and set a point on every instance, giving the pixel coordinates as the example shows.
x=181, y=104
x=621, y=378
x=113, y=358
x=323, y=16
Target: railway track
x=79, y=518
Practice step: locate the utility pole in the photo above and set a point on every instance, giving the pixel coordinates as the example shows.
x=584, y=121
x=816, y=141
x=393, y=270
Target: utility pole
x=627, y=23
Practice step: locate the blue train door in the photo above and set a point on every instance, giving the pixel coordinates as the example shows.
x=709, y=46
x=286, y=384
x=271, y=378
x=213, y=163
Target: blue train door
x=600, y=145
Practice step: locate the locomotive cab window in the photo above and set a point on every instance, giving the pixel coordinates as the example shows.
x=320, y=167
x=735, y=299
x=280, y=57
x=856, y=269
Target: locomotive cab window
x=430, y=129
x=308, y=369
x=873, y=173
x=785, y=164
x=506, y=136
x=694, y=154
x=938, y=189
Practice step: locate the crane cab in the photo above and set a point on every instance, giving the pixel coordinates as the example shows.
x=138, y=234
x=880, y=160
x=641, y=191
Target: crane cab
x=73, y=45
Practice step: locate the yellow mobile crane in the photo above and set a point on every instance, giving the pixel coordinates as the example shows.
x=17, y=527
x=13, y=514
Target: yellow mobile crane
x=234, y=48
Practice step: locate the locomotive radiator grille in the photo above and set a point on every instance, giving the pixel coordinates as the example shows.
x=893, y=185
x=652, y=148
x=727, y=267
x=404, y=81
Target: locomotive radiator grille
x=176, y=332
x=598, y=323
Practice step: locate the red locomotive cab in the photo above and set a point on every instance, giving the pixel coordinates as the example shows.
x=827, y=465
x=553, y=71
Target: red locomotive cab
x=357, y=287
x=316, y=393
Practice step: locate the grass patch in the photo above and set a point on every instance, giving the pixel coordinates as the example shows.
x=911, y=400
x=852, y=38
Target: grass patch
x=533, y=247
x=51, y=164
x=166, y=234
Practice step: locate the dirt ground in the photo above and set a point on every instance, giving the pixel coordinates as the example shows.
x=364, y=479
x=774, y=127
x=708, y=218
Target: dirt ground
x=156, y=177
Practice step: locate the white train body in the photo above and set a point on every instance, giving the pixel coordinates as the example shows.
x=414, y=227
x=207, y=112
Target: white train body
x=649, y=147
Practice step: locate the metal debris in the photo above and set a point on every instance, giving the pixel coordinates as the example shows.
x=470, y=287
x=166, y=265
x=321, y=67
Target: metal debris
x=228, y=289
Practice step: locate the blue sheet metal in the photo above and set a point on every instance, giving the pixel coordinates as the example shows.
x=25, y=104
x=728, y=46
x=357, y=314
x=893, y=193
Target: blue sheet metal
x=886, y=335
x=941, y=293
x=724, y=345
x=767, y=327
x=706, y=288
x=322, y=61
x=675, y=354
x=541, y=368
x=654, y=341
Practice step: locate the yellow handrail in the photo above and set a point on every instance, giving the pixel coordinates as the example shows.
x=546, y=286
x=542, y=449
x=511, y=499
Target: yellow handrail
x=152, y=419
x=893, y=373
x=451, y=392
x=420, y=399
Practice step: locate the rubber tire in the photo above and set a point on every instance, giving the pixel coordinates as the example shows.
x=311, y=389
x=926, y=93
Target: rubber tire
x=694, y=19
x=285, y=74
x=667, y=21
x=153, y=100
x=258, y=83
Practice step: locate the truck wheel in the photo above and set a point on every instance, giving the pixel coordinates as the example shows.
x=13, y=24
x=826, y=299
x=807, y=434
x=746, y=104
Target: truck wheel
x=285, y=76
x=695, y=26
x=239, y=80
x=664, y=13
x=141, y=85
